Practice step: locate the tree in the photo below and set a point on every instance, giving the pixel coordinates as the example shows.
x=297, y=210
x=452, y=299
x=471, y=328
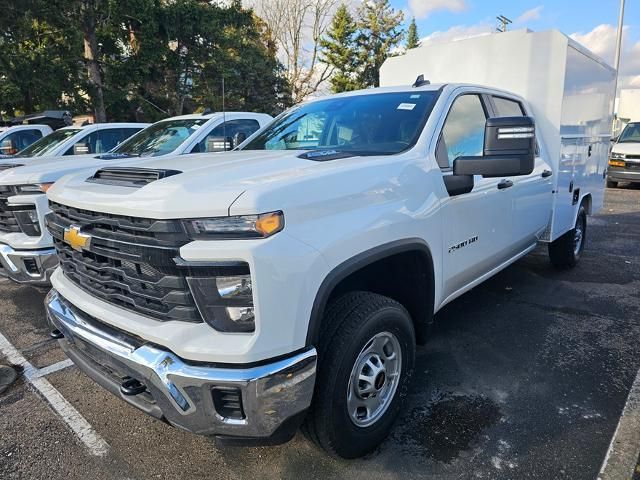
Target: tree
x=413, y=39
x=339, y=50
x=38, y=67
x=380, y=32
x=298, y=26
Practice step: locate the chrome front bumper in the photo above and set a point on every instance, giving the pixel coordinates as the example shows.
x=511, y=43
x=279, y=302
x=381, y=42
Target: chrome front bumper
x=274, y=395
x=28, y=266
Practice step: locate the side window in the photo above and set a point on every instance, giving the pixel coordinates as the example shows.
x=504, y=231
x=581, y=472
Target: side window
x=111, y=138
x=86, y=144
x=17, y=141
x=229, y=128
x=507, y=108
x=463, y=131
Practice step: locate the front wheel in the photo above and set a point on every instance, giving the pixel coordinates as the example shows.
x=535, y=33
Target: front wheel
x=564, y=252
x=366, y=357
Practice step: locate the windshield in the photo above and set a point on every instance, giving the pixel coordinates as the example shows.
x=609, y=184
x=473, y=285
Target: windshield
x=367, y=124
x=631, y=133
x=160, y=138
x=48, y=143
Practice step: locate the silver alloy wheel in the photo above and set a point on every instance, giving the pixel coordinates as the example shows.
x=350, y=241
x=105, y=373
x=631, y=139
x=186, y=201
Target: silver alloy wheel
x=374, y=379
x=578, y=235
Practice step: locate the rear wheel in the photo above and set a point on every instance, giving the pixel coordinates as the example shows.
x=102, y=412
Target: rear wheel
x=612, y=184
x=366, y=358
x=565, y=251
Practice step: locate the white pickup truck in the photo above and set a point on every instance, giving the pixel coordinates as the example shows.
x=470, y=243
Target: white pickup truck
x=27, y=254
x=291, y=280
x=18, y=137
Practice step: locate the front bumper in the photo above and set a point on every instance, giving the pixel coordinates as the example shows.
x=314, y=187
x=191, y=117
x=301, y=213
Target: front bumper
x=623, y=175
x=274, y=396
x=28, y=266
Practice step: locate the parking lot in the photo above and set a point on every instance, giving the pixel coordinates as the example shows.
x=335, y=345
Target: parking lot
x=526, y=376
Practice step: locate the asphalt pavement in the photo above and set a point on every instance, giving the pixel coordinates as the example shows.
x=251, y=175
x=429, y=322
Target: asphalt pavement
x=525, y=376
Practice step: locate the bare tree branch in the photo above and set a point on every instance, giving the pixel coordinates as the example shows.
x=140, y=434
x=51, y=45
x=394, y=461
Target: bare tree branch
x=298, y=26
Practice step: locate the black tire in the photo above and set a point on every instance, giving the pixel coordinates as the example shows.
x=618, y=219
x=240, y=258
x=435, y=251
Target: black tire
x=349, y=324
x=564, y=252
x=612, y=184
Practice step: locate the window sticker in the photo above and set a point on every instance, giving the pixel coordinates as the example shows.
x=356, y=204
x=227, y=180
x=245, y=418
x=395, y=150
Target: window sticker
x=406, y=106
x=415, y=95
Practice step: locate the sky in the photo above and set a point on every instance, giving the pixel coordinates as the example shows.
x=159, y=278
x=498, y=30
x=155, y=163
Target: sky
x=591, y=22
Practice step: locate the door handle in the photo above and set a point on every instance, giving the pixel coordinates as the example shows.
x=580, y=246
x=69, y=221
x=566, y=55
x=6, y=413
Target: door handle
x=547, y=173
x=505, y=184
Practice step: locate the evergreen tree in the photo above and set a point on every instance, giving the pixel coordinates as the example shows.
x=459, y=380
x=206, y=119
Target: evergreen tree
x=339, y=50
x=379, y=33
x=413, y=40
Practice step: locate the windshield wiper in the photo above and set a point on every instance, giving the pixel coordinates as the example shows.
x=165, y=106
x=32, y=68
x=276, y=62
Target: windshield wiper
x=116, y=156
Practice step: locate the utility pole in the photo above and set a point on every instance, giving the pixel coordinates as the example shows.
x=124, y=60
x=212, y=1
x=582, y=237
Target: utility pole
x=503, y=22
x=617, y=60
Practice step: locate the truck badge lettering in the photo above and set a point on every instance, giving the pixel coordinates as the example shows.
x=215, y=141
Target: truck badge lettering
x=460, y=245
x=76, y=239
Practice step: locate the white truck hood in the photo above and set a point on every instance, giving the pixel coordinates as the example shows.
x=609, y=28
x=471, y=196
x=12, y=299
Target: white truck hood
x=628, y=148
x=48, y=169
x=207, y=185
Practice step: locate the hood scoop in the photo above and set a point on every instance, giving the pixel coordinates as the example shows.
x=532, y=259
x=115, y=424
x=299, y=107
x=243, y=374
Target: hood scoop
x=130, y=177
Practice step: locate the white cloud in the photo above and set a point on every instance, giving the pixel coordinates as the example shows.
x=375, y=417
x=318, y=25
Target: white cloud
x=424, y=8
x=458, y=32
x=602, y=41
x=530, y=15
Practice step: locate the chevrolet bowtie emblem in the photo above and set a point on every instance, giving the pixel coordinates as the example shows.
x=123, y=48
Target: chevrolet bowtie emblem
x=76, y=239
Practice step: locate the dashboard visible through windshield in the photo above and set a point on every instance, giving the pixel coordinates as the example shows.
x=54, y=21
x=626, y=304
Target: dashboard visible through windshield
x=160, y=138
x=365, y=124
x=48, y=143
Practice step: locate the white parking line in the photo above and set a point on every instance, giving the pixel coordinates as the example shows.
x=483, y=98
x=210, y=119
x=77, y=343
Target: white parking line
x=76, y=422
x=43, y=372
x=622, y=456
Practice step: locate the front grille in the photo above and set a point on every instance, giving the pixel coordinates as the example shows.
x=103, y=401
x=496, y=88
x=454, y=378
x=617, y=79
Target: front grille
x=632, y=157
x=8, y=221
x=129, y=261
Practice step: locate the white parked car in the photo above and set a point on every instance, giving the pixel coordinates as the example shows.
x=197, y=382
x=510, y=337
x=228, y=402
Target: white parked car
x=290, y=280
x=18, y=137
x=26, y=248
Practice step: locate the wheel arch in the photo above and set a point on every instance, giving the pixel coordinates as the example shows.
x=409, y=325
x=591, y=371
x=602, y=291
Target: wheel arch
x=348, y=276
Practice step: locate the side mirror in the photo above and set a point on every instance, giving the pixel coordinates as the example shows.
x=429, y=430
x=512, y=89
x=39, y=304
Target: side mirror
x=614, y=139
x=509, y=149
x=219, y=144
x=238, y=138
x=81, y=149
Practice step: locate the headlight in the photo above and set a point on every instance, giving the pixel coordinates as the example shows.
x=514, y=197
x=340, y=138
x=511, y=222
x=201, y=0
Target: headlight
x=617, y=156
x=238, y=227
x=35, y=188
x=225, y=302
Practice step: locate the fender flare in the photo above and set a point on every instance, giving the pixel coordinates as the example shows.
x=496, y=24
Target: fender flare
x=358, y=262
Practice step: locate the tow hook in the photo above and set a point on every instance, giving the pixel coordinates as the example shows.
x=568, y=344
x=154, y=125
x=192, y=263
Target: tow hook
x=56, y=334
x=131, y=387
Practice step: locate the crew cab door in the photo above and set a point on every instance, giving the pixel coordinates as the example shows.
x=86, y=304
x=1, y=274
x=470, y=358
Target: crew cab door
x=532, y=194
x=476, y=226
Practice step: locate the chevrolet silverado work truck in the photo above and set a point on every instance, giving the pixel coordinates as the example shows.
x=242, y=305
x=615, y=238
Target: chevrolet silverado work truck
x=289, y=282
